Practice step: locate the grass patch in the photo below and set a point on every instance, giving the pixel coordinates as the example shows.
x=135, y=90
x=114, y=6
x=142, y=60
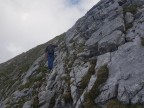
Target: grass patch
x=67, y=97
x=60, y=38
x=80, y=48
x=86, y=78
x=117, y=104
x=43, y=69
x=52, y=101
x=21, y=102
x=31, y=82
x=142, y=41
x=128, y=26
x=24, y=68
x=66, y=79
x=35, y=102
x=102, y=75
x=132, y=9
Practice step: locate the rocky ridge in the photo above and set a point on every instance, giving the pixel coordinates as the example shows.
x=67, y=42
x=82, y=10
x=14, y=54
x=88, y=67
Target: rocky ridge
x=99, y=63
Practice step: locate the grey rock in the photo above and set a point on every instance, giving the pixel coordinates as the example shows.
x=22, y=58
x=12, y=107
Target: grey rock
x=101, y=34
x=91, y=83
x=79, y=71
x=44, y=98
x=27, y=104
x=103, y=60
x=111, y=42
x=106, y=29
x=129, y=53
x=76, y=75
x=129, y=18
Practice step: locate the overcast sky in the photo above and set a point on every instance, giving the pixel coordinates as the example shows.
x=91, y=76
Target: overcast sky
x=25, y=24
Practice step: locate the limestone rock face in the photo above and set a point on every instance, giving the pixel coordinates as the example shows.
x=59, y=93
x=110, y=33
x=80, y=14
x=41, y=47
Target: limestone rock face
x=100, y=59
x=27, y=104
x=129, y=17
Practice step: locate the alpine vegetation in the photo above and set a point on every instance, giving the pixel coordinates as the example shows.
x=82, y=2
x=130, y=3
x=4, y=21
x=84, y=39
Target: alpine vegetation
x=98, y=63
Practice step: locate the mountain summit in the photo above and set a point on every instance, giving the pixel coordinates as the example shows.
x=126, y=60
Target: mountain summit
x=99, y=64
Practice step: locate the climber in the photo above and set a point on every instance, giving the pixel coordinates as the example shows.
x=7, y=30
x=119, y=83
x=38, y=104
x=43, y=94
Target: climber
x=49, y=54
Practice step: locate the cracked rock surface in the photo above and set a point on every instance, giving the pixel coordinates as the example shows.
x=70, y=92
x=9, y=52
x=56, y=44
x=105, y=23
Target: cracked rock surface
x=111, y=35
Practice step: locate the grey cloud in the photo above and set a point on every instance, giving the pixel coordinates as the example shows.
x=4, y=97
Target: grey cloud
x=27, y=23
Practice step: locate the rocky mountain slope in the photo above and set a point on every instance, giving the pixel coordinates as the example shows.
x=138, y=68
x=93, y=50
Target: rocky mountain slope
x=99, y=64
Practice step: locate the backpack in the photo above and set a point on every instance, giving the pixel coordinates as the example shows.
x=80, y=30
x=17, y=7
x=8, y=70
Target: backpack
x=50, y=50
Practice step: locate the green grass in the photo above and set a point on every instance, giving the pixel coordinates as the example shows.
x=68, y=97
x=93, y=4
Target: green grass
x=67, y=97
x=142, y=41
x=85, y=80
x=128, y=26
x=53, y=101
x=132, y=8
x=102, y=75
x=35, y=102
x=80, y=48
x=20, y=65
x=21, y=102
x=30, y=82
x=117, y=104
x=60, y=38
x=32, y=79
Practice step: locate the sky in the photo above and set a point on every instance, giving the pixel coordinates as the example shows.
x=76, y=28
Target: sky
x=25, y=24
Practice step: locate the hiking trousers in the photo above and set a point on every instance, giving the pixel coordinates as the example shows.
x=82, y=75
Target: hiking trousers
x=50, y=61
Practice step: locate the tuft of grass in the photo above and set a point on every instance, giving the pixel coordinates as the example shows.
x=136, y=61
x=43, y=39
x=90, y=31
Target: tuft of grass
x=21, y=102
x=132, y=9
x=117, y=104
x=142, y=41
x=35, y=102
x=43, y=69
x=102, y=75
x=31, y=82
x=52, y=101
x=60, y=38
x=86, y=78
x=80, y=48
x=67, y=79
x=128, y=26
x=67, y=97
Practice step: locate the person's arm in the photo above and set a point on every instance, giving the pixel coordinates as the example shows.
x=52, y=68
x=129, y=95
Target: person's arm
x=46, y=54
x=55, y=46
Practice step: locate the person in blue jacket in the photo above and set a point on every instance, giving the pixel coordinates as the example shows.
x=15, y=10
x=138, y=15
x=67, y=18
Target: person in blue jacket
x=49, y=53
